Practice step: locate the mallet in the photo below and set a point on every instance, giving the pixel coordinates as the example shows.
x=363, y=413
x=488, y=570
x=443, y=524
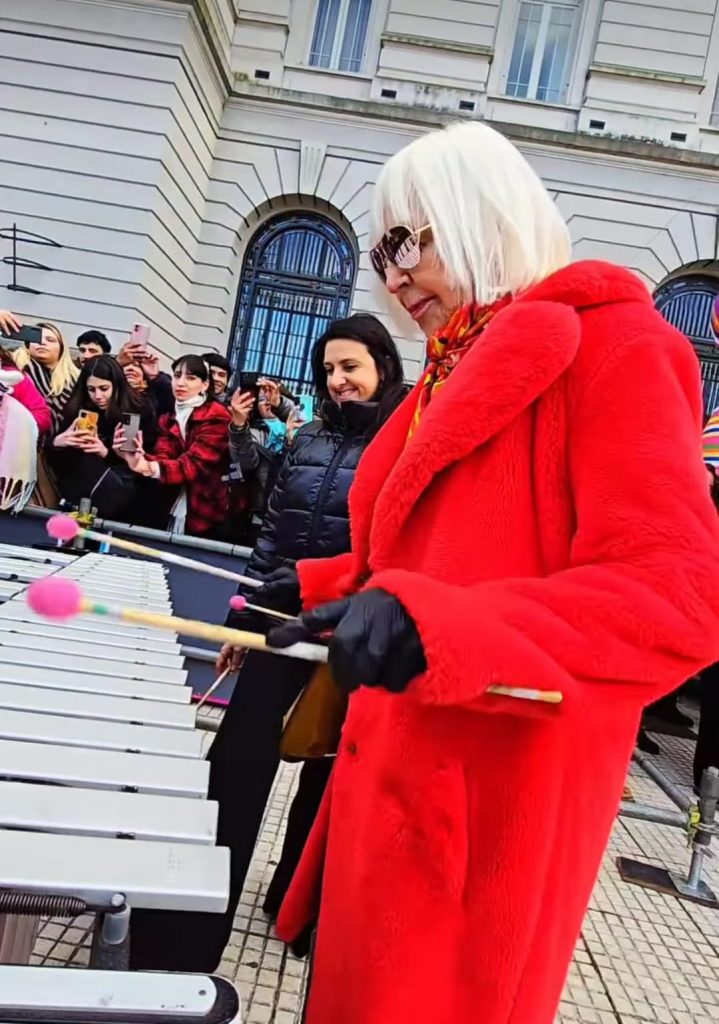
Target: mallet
x=65, y=528
x=206, y=696
x=58, y=598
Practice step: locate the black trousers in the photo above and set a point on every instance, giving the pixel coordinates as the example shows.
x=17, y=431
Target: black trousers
x=243, y=762
x=306, y=804
x=706, y=754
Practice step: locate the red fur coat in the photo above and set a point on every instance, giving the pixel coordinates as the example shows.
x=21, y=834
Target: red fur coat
x=549, y=525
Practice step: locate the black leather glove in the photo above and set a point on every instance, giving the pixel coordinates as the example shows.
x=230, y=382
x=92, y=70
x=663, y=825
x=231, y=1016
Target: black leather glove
x=280, y=590
x=251, y=622
x=374, y=643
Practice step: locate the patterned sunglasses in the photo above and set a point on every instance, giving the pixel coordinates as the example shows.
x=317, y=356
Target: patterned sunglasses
x=400, y=246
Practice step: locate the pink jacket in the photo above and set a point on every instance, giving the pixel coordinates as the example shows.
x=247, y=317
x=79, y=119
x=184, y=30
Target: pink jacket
x=28, y=395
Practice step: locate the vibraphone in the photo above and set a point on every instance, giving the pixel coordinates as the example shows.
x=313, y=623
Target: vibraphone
x=103, y=785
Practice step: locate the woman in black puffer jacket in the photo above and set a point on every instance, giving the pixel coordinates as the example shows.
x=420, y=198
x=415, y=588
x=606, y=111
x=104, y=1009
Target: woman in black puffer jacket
x=358, y=377
x=307, y=515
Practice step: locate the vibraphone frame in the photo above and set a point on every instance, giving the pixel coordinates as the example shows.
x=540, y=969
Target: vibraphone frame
x=102, y=781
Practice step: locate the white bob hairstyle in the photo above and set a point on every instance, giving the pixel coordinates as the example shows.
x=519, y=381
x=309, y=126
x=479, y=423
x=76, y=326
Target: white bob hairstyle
x=496, y=230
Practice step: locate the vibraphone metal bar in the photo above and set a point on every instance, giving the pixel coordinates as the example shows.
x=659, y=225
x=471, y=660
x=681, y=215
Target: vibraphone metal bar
x=100, y=708
x=156, y=640
x=77, y=732
x=59, y=765
x=149, y=875
x=52, y=638
x=23, y=570
x=22, y=666
x=19, y=651
x=94, y=812
x=106, y=997
x=52, y=556
x=17, y=573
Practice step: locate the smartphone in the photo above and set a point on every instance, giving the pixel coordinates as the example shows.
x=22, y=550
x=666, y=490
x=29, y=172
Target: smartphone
x=248, y=382
x=140, y=335
x=27, y=334
x=87, y=420
x=305, y=408
x=131, y=425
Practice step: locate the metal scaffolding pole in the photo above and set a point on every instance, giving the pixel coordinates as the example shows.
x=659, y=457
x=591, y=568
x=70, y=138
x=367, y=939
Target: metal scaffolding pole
x=703, y=832
x=701, y=826
x=658, y=815
x=675, y=794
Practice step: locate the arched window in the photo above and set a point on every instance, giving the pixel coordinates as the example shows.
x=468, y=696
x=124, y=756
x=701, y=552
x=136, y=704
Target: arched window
x=298, y=276
x=686, y=303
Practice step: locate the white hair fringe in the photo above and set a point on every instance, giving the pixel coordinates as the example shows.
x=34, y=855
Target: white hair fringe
x=496, y=229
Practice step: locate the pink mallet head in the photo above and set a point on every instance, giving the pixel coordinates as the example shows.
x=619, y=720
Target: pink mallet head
x=55, y=598
x=238, y=603
x=63, y=528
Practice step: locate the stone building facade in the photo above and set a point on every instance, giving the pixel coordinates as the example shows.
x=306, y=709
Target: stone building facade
x=207, y=165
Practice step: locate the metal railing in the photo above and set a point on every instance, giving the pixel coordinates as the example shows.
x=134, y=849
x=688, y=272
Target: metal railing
x=699, y=822
x=146, y=533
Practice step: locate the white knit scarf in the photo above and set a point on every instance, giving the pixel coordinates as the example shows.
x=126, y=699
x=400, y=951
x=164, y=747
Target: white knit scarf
x=183, y=411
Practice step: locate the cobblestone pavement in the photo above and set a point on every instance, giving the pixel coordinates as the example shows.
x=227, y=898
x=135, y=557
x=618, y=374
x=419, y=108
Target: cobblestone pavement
x=642, y=957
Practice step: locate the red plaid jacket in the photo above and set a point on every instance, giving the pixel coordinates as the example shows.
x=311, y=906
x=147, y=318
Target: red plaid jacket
x=198, y=463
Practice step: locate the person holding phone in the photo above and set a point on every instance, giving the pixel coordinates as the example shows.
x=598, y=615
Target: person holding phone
x=82, y=454
x=92, y=343
x=148, y=381
x=25, y=392
x=142, y=371
x=264, y=423
x=47, y=362
x=191, y=456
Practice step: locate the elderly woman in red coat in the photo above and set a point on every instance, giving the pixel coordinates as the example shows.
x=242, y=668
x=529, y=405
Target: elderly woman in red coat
x=534, y=515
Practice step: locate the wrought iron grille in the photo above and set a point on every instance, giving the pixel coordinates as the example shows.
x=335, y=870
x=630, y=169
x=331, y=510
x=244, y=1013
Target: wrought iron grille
x=686, y=303
x=298, y=277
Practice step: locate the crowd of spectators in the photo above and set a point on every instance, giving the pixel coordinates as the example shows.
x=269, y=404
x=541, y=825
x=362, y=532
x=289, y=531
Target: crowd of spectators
x=183, y=450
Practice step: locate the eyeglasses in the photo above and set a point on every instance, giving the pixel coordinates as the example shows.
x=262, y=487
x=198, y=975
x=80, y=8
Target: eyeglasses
x=400, y=246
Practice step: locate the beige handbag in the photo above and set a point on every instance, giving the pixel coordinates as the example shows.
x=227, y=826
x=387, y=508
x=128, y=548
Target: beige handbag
x=313, y=725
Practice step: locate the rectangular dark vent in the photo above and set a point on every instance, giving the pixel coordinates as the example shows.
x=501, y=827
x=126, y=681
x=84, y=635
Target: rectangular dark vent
x=259, y=73
x=389, y=94
x=466, y=104
x=598, y=126
x=678, y=136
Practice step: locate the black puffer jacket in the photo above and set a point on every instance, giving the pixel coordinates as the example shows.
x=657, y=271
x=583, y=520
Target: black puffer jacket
x=307, y=514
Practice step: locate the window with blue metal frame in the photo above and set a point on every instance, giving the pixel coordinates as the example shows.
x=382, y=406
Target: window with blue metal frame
x=297, y=278
x=686, y=303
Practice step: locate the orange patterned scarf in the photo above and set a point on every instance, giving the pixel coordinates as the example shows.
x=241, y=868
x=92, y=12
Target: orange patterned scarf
x=446, y=348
